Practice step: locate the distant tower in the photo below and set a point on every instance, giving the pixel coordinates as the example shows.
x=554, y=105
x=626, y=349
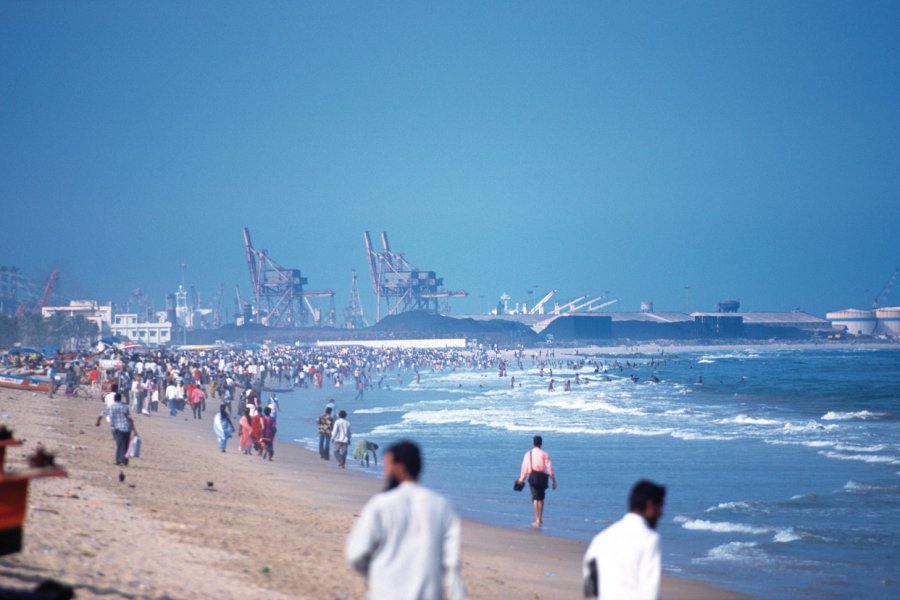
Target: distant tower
x=170, y=309
x=505, y=298
x=182, y=311
x=353, y=314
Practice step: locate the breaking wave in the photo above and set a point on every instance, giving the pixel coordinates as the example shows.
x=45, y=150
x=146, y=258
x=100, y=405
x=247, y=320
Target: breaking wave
x=747, y=420
x=864, y=415
x=744, y=552
x=869, y=458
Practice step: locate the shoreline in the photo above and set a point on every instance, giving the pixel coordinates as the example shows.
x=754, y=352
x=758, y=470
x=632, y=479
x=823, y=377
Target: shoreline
x=670, y=348
x=263, y=528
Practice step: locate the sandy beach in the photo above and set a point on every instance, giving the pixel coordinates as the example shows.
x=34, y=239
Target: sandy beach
x=262, y=529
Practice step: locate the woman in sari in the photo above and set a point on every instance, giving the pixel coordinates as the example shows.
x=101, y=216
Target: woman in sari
x=223, y=427
x=246, y=442
x=256, y=430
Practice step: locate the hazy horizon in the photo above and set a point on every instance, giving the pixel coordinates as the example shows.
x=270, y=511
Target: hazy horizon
x=680, y=153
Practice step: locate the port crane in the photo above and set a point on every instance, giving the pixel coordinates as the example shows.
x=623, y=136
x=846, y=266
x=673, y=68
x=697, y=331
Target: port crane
x=43, y=299
x=278, y=294
x=885, y=292
x=400, y=285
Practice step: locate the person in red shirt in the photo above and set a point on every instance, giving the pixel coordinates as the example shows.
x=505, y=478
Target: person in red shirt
x=196, y=399
x=256, y=431
x=267, y=434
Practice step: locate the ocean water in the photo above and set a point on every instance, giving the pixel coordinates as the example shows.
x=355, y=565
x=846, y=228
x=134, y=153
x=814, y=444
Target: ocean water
x=782, y=467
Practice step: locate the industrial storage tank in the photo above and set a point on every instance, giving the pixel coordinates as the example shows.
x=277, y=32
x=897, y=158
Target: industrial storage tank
x=889, y=320
x=856, y=322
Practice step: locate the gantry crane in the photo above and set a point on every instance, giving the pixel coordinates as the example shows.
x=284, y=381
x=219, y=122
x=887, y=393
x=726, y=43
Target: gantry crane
x=278, y=294
x=400, y=285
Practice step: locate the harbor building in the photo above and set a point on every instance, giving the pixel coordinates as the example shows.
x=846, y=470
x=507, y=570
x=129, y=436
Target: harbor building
x=127, y=325
x=646, y=325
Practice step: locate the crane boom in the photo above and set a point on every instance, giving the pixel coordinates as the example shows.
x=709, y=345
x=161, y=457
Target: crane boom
x=885, y=291
x=602, y=306
x=251, y=259
x=568, y=305
x=586, y=304
x=48, y=290
x=536, y=309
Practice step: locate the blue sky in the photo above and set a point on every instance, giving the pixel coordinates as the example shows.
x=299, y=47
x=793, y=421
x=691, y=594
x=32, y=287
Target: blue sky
x=745, y=150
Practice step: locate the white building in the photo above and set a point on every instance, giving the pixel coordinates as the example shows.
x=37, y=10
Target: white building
x=150, y=333
x=94, y=312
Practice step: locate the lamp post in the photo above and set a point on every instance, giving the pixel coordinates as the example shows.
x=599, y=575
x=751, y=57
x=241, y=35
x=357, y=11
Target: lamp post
x=183, y=267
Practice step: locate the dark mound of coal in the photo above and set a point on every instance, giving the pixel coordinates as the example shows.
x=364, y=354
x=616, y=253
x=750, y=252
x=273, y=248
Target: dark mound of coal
x=421, y=324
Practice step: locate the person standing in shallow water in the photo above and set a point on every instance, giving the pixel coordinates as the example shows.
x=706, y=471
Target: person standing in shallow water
x=537, y=469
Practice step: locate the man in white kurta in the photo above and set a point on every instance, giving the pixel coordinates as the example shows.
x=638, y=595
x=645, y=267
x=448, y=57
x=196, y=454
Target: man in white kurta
x=623, y=561
x=406, y=540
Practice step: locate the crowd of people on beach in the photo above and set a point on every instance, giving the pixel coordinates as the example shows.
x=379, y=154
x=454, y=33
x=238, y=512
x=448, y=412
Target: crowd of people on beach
x=236, y=383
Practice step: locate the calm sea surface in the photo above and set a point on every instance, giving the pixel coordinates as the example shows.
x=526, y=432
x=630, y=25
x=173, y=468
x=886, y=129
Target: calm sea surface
x=783, y=466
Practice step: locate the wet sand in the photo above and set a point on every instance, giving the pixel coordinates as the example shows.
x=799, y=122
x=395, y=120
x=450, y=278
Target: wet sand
x=263, y=529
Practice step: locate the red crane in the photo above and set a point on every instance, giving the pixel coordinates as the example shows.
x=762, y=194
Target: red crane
x=43, y=299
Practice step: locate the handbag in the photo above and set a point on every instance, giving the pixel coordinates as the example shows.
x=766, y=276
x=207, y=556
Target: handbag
x=134, y=447
x=518, y=486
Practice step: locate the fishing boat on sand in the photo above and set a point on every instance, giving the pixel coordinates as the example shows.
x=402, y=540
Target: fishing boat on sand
x=27, y=382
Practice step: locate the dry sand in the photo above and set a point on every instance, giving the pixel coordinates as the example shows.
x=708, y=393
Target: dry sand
x=263, y=530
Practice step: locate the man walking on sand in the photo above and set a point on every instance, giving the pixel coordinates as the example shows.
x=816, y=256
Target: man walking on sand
x=537, y=469
x=406, y=540
x=121, y=425
x=623, y=560
x=340, y=436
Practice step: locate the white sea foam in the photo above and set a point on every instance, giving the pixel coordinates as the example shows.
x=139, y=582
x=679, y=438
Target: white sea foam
x=695, y=436
x=781, y=535
x=389, y=430
x=855, y=486
x=745, y=552
x=855, y=448
x=378, y=410
x=677, y=412
x=807, y=443
x=729, y=356
x=748, y=420
x=864, y=415
x=587, y=404
x=869, y=458
x=705, y=361
x=808, y=427
x=735, y=506
x=785, y=536
x=721, y=526
x=639, y=431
